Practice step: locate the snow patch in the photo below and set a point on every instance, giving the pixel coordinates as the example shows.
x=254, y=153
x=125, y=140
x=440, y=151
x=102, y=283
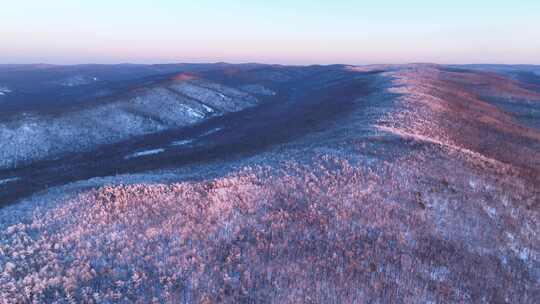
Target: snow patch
x=145, y=153
x=419, y=137
x=524, y=254
x=9, y=180
x=491, y=212
x=440, y=274
x=208, y=109
x=4, y=90
x=182, y=142
x=223, y=96
x=212, y=131
x=192, y=112
x=78, y=80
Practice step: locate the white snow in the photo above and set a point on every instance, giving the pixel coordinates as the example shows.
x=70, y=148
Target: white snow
x=34, y=136
x=78, y=80
x=440, y=273
x=192, y=112
x=492, y=212
x=145, y=153
x=4, y=90
x=223, y=96
x=207, y=108
x=212, y=131
x=9, y=180
x=181, y=142
x=524, y=254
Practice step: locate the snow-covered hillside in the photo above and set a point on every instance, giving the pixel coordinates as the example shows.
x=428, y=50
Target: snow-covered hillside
x=168, y=105
x=376, y=184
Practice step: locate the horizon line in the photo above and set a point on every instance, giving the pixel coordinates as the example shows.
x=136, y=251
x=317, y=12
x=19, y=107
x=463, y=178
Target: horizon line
x=263, y=63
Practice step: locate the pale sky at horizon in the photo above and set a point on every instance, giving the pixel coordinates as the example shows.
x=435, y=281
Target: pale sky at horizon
x=288, y=32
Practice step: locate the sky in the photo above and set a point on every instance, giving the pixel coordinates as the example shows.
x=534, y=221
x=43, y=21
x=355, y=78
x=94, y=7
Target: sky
x=277, y=31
